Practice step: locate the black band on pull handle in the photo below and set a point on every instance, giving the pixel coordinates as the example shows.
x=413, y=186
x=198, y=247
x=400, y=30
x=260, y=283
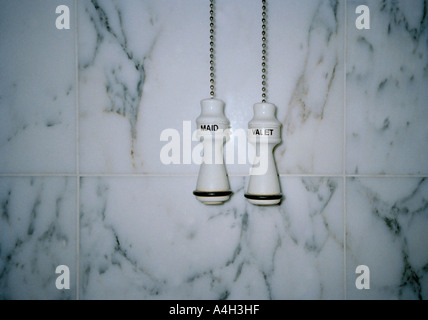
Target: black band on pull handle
x=212, y=193
x=263, y=196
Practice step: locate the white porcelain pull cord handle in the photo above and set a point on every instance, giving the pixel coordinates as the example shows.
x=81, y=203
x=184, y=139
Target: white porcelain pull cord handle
x=212, y=125
x=264, y=134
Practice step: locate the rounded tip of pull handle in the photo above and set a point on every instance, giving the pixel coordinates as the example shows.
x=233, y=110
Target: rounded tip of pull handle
x=212, y=197
x=264, y=199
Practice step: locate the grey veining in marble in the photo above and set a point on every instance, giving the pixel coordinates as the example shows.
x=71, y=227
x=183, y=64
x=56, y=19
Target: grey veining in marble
x=37, y=89
x=136, y=244
x=37, y=234
x=387, y=220
x=387, y=76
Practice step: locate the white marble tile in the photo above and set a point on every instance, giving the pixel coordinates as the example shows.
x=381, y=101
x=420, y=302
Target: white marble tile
x=149, y=238
x=144, y=68
x=37, y=234
x=309, y=77
x=386, y=89
x=387, y=223
x=37, y=89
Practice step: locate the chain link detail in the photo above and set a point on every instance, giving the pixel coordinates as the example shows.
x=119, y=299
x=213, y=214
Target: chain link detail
x=264, y=50
x=212, y=43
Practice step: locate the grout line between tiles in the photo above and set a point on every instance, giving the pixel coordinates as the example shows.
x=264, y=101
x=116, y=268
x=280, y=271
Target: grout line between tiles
x=178, y=175
x=76, y=62
x=345, y=47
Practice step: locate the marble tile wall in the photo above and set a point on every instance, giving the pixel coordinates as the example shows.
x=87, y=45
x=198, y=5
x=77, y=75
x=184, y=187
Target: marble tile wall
x=82, y=184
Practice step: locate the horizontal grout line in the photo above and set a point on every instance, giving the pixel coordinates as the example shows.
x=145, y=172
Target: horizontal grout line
x=385, y=175
x=95, y=175
x=38, y=175
x=195, y=175
x=358, y=175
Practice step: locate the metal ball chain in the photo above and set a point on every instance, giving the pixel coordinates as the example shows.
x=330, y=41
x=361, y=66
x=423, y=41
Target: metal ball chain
x=264, y=47
x=212, y=62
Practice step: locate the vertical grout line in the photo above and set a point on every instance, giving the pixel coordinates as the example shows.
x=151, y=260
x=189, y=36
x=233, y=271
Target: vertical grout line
x=76, y=75
x=345, y=47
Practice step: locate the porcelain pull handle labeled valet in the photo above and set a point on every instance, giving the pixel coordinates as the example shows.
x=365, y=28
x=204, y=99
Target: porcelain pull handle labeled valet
x=213, y=127
x=264, y=134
